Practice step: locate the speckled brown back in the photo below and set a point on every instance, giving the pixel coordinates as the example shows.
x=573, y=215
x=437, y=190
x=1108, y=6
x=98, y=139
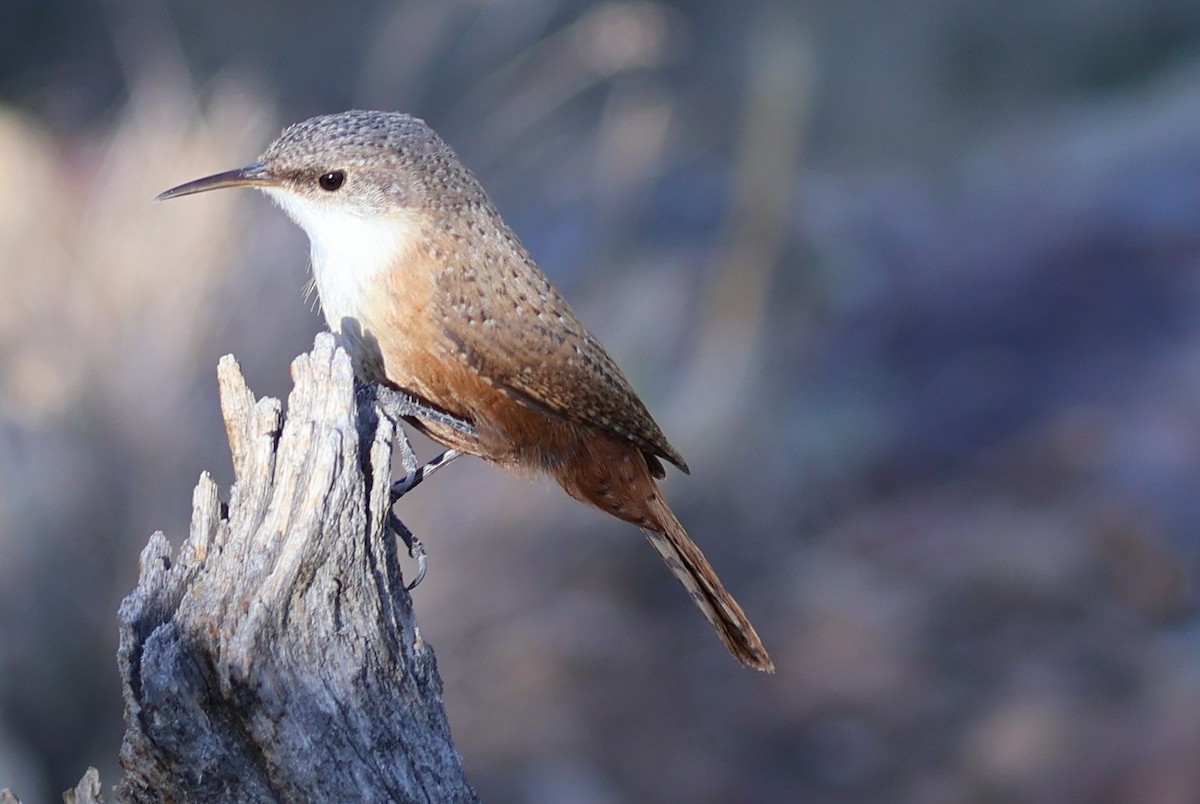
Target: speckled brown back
x=509, y=323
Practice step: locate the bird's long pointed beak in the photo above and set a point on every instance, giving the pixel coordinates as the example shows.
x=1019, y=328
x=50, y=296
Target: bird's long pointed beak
x=256, y=175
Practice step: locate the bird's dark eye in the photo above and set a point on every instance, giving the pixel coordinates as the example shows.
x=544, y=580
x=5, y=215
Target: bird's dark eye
x=332, y=180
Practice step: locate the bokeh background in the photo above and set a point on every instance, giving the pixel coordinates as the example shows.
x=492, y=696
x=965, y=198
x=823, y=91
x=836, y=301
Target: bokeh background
x=914, y=288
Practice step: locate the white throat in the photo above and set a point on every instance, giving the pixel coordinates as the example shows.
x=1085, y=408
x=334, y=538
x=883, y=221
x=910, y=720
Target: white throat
x=349, y=250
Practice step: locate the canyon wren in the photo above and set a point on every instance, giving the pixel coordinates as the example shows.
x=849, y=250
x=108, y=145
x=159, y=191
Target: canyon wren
x=432, y=294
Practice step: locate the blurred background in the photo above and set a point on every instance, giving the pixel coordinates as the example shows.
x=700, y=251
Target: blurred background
x=913, y=287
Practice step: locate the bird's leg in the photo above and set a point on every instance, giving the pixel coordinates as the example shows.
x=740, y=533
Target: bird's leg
x=411, y=480
x=401, y=487
x=396, y=405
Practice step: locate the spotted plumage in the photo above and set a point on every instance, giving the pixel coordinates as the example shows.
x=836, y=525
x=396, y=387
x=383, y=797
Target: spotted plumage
x=433, y=294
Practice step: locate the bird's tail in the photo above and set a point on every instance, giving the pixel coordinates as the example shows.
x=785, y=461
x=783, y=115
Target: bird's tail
x=691, y=568
x=614, y=476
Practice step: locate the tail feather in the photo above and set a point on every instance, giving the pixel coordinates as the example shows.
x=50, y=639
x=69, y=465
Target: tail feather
x=614, y=476
x=691, y=568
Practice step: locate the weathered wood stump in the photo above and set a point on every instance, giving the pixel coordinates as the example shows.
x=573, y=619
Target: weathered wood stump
x=275, y=657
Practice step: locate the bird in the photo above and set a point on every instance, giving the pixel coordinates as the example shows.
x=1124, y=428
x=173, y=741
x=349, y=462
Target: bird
x=433, y=295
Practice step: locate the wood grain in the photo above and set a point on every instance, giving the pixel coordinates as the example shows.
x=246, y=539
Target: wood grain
x=275, y=655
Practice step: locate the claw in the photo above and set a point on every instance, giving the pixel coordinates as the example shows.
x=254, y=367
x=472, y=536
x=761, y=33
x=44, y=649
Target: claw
x=416, y=549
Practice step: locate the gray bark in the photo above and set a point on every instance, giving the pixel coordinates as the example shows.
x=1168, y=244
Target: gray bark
x=275, y=657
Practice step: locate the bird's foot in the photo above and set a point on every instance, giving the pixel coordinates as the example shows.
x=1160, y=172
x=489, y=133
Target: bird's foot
x=399, y=489
x=416, y=549
x=399, y=405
